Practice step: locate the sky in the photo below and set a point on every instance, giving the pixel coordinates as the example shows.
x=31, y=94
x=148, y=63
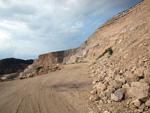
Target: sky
x=32, y=27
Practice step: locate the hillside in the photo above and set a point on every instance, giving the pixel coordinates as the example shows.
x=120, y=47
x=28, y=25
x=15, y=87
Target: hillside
x=12, y=65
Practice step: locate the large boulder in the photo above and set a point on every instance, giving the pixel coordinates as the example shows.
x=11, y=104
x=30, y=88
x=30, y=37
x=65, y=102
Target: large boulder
x=139, y=90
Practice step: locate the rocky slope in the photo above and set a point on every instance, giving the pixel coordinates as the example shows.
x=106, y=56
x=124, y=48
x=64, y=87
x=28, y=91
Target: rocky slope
x=12, y=65
x=122, y=73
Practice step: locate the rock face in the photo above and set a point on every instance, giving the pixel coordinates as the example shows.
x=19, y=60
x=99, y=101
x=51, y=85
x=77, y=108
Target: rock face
x=46, y=62
x=54, y=58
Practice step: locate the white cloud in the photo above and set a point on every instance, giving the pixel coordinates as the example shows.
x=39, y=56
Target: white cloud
x=32, y=27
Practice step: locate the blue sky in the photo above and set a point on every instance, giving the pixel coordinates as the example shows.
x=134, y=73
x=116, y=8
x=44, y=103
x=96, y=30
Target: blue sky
x=32, y=27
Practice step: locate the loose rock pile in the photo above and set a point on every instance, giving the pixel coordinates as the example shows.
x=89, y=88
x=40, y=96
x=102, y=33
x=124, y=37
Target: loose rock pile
x=115, y=82
x=39, y=70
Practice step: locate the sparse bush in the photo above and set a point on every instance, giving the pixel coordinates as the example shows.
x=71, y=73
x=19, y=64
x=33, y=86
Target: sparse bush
x=106, y=51
x=110, y=51
x=38, y=68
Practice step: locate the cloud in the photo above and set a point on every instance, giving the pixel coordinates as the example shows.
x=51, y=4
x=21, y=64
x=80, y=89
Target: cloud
x=32, y=27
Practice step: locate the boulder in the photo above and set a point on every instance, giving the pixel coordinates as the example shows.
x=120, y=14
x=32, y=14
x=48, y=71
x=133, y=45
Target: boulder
x=100, y=87
x=130, y=77
x=139, y=90
x=137, y=102
x=117, y=95
x=139, y=72
x=125, y=87
x=117, y=84
x=102, y=94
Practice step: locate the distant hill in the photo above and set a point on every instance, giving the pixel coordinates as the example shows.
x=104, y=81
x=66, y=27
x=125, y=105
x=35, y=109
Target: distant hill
x=13, y=65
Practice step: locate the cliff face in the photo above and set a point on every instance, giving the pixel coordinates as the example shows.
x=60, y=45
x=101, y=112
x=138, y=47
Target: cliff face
x=54, y=57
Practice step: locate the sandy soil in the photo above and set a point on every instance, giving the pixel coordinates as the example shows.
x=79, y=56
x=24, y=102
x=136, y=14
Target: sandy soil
x=64, y=91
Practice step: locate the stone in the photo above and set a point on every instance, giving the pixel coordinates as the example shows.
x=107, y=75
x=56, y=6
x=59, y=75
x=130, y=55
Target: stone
x=142, y=107
x=95, y=86
x=125, y=87
x=93, y=92
x=137, y=102
x=147, y=75
x=108, y=79
x=106, y=111
x=100, y=87
x=102, y=94
x=138, y=90
x=130, y=77
x=117, y=95
x=93, y=71
x=117, y=84
x=94, y=98
x=109, y=101
x=147, y=103
x=93, y=75
x=101, y=102
x=121, y=79
x=96, y=79
x=108, y=94
x=104, y=98
x=139, y=72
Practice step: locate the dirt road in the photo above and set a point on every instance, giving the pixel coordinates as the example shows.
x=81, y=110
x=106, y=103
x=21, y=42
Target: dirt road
x=64, y=91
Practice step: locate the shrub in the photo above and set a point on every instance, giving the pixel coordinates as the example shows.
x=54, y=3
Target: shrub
x=106, y=51
x=110, y=51
x=38, y=68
